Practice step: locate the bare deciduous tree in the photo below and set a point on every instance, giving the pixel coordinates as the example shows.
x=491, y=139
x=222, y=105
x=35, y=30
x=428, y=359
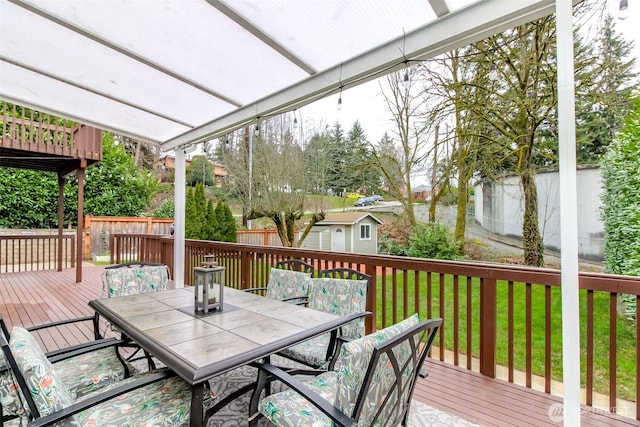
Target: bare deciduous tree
x=399, y=162
x=278, y=186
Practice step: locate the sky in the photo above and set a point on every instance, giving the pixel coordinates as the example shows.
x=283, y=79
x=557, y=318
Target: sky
x=365, y=103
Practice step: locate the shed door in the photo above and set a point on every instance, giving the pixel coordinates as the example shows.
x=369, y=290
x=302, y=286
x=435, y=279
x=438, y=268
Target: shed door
x=337, y=238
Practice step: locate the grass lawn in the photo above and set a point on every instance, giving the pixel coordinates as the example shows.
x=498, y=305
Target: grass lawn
x=626, y=339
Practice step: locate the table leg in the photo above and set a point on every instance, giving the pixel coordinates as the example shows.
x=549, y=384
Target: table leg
x=197, y=393
x=262, y=383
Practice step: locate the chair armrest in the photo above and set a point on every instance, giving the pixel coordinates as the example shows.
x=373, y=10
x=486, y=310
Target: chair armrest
x=297, y=300
x=92, y=318
x=314, y=398
x=254, y=290
x=100, y=398
x=58, y=355
x=60, y=322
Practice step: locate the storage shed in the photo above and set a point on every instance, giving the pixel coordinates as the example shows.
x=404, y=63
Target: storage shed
x=355, y=232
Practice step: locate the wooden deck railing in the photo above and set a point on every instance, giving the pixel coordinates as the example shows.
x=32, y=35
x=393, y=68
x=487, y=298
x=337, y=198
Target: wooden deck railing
x=36, y=252
x=30, y=130
x=493, y=314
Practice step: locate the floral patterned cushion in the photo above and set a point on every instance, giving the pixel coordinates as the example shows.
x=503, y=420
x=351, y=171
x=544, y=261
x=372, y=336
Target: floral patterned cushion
x=341, y=297
x=135, y=280
x=153, y=278
x=165, y=403
x=91, y=371
x=288, y=408
x=48, y=392
x=337, y=296
x=353, y=361
x=80, y=374
x=342, y=386
x=312, y=352
x=285, y=284
x=11, y=403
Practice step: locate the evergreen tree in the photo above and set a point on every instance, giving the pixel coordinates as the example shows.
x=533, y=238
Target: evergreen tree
x=226, y=231
x=191, y=226
x=201, y=211
x=230, y=225
x=210, y=223
x=605, y=91
x=363, y=174
x=337, y=162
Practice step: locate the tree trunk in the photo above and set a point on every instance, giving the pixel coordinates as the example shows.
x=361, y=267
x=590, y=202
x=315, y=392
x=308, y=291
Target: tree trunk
x=434, y=176
x=461, y=212
x=531, y=239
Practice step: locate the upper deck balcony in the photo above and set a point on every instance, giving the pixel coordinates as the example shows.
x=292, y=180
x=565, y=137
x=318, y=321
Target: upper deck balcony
x=39, y=141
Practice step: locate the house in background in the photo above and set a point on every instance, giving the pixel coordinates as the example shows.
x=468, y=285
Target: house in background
x=168, y=163
x=422, y=192
x=355, y=232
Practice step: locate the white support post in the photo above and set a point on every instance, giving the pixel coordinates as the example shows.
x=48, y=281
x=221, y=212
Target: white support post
x=250, y=166
x=568, y=214
x=179, y=217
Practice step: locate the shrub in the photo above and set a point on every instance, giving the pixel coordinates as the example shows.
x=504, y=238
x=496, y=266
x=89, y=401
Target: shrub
x=620, y=209
x=165, y=210
x=433, y=240
x=389, y=246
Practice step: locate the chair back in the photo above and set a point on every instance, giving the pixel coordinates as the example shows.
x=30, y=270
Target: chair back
x=295, y=265
x=341, y=291
x=377, y=374
x=289, y=281
x=135, y=278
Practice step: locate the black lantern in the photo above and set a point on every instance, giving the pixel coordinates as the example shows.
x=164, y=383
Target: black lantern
x=209, y=286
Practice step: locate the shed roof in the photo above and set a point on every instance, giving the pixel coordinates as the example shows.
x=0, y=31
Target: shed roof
x=342, y=218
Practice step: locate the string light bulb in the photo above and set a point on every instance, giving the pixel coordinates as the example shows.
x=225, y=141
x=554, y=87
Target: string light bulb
x=340, y=99
x=257, y=128
x=493, y=72
x=295, y=121
x=406, y=81
x=624, y=10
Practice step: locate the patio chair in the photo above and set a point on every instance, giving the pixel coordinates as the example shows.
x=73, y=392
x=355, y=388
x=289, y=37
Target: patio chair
x=85, y=368
x=370, y=383
x=135, y=278
x=340, y=291
x=288, y=281
x=129, y=279
x=157, y=398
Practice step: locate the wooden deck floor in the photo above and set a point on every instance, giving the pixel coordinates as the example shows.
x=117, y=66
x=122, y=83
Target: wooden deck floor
x=31, y=298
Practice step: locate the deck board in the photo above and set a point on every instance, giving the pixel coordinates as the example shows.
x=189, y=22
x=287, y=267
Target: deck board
x=34, y=297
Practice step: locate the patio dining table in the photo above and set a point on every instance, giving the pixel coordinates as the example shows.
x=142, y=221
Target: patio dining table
x=198, y=346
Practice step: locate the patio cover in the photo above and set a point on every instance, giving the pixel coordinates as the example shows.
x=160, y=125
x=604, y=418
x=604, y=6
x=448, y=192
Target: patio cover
x=178, y=72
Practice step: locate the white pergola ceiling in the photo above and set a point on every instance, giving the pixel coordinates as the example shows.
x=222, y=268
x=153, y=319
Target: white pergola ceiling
x=181, y=71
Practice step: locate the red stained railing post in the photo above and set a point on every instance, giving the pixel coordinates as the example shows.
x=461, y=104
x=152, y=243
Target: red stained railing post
x=488, y=298
x=245, y=270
